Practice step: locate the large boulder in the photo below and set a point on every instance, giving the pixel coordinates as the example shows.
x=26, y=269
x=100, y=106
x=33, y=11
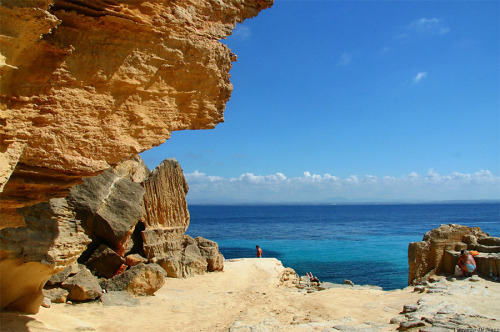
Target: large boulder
x=440, y=248
x=192, y=262
x=210, y=250
x=142, y=279
x=109, y=207
x=197, y=257
x=82, y=286
x=104, y=262
x=59, y=278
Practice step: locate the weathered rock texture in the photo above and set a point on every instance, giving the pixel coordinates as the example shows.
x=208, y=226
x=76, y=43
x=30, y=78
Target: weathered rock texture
x=440, y=249
x=109, y=207
x=82, y=286
x=142, y=279
x=86, y=84
x=52, y=240
x=166, y=215
x=119, y=217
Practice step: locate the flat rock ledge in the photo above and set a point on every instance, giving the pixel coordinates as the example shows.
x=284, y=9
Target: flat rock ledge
x=450, y=304
x=261, y=295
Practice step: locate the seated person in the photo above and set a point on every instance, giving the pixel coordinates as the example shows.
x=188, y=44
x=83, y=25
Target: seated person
x=466, y=263
x=312, y=278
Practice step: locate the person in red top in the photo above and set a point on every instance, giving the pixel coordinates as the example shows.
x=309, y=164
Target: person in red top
x=466, y=263
x=259, y=252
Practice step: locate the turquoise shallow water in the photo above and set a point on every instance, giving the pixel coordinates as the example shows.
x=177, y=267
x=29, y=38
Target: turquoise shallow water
x=364, y=243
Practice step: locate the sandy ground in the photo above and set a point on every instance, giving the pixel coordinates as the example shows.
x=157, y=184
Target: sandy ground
x=245, y=297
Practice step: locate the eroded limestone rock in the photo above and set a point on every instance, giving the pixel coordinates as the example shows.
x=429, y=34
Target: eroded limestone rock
x=87, y=84
x=52, y=240
x=440, y=249
x=104, y=262
x=166, y=215
x=109, y=206
x=141, y=279
x=82, y=286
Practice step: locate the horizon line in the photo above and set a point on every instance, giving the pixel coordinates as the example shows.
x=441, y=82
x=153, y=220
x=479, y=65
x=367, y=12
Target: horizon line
x=475, y=201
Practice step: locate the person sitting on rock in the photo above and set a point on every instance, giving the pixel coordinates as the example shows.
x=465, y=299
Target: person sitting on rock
x=466, y=263
x=312, y=278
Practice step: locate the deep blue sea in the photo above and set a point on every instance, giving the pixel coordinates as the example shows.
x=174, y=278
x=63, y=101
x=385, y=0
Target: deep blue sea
x=367, y=244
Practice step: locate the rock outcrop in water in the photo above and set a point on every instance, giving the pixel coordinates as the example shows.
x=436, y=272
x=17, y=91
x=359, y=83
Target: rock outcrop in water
x=86, y=84
x=439, y=251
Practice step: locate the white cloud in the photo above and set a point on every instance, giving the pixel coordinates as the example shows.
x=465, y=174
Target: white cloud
x=433, y=26
x=259, y=179
x=198, y=177
x=345, y=59
x=310, y=187
x=420, y=76
x=242, y=32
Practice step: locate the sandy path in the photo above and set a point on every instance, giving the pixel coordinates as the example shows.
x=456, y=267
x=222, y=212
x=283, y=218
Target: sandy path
x=246, y=295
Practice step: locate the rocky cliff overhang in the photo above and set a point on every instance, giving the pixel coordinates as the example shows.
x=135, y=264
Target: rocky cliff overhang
x=86, y=84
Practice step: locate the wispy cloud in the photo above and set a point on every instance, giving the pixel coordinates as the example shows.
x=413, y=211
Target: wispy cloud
x=242, y=32
x=420, y=76
x=345, y=59
x=310, y=187
x=433, y=26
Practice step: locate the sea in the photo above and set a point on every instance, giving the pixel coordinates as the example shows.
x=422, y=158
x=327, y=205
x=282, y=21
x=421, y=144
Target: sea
x=367, y=244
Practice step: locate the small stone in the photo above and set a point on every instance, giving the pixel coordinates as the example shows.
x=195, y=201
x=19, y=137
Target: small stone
x=348, y=282
x=410, y=324
x=433, y=279
x=56, y=295
x=409, y=308
x=435, y=290
x=46, y=302
x=474, y=279
x=134, y=259
x=419, y=289
x=397, y=320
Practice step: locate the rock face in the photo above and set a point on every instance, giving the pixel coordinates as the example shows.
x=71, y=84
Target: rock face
x=166, y=216
x=440, y=249
x=87, y=84
x=52, y=240
x=120, y=220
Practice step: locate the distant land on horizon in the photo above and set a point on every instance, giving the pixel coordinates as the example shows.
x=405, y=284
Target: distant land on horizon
x=485, y=201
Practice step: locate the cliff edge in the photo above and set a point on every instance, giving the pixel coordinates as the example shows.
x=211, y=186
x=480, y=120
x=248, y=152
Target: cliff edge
x=86, y=84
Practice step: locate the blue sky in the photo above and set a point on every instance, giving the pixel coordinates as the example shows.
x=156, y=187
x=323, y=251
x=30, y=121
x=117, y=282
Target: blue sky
x=354, y=101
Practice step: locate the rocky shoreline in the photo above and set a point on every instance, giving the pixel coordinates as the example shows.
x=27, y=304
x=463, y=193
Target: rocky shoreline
x=262, y=295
